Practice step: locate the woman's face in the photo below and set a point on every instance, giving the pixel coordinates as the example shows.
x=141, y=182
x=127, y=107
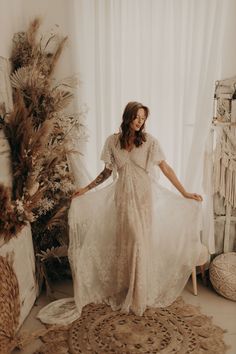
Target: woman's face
x=139, y=120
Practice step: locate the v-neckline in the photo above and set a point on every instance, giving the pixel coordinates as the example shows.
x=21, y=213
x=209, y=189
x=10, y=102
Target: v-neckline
x=128, y=151
x=131, y=149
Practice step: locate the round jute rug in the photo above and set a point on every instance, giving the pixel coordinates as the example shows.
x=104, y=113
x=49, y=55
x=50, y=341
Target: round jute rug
x=180, y=328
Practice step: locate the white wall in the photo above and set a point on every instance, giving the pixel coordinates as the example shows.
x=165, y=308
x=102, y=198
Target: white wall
x=11, y=20
x=228, y=66
x=15, y=15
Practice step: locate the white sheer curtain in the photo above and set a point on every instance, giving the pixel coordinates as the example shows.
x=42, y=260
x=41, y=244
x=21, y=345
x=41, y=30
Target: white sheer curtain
x=164, y=53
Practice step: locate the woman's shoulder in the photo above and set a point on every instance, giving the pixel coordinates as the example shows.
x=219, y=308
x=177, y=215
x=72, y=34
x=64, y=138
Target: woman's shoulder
x=150, y=138
x=112, y=138
x=113, y=135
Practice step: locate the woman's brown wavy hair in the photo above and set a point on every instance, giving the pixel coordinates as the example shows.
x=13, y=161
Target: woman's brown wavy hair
x=129, y=114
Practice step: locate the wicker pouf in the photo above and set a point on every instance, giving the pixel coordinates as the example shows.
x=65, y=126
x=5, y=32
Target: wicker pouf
x=223, y=275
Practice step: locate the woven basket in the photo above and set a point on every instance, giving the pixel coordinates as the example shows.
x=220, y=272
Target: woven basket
x=223, y=275
x=9, y=305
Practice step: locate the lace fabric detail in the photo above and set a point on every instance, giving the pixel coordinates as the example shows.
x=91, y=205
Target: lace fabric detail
x=142, y=239
x=107, y=155
x=133, y=243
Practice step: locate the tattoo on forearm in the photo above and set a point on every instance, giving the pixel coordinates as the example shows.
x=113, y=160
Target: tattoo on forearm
x=100, y=178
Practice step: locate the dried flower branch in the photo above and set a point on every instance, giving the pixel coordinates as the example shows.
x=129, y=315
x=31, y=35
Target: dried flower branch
x=38, y=131
x=54, y=252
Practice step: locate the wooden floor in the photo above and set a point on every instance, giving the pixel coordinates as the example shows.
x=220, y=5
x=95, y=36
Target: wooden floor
x=222, y=310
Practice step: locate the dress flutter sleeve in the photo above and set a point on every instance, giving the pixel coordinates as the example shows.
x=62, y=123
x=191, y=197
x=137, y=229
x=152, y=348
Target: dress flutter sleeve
x=107, y=155
x=156, y=153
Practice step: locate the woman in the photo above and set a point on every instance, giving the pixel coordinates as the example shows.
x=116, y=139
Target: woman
x=133, y=274
x=133, y=243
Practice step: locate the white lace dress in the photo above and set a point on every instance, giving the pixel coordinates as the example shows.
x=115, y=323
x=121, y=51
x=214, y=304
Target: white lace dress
x=133, y=243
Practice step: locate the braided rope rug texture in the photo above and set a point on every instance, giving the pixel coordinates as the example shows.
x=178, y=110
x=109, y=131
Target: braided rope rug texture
x=180, y=328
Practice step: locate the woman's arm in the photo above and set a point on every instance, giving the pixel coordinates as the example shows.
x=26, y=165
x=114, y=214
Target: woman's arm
x=170, y=174
x=103, y=176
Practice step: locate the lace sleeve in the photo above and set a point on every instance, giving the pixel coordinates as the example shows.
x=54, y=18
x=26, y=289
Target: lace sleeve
x=107, y=155
x=156, y=153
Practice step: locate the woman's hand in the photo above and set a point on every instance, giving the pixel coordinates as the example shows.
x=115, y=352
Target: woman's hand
x=195, y=196
x=170, y=174
x=79, y=192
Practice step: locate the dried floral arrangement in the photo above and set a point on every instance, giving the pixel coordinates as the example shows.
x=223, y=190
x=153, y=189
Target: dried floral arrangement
x=37, y=131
